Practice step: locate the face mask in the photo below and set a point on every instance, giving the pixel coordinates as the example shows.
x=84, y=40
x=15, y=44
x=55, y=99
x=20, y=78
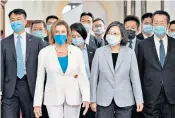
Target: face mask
x=147, y=29
x=87, y=27
x=131, y=34
x=172, y=34
x=49, y=27
x=39, y=34
x=78, y=41
x=159, y=31
x=113, y=40
x=60, y=39
x=99, y=30
x=17, y=26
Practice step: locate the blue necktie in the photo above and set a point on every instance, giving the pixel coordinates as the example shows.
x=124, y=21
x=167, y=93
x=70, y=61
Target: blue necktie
x=20, y=64
x=162, y=53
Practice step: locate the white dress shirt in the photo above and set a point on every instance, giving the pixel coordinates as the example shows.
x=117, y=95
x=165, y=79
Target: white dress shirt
x=157, y=44
x=23, y=44
x=88, y=38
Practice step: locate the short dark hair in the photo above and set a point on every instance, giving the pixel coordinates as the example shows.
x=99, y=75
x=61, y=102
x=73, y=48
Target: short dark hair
x=50, y=17
x=18, y=12
x=97, y=19
x=122, y=30
x=80, y=29
x=132, y=18
x=38, y=21
x=172, y=22
x=160, y=12
x=87, y=14
x=146, y=15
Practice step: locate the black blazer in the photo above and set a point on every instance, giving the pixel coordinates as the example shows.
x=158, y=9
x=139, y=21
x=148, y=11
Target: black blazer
x=152, y=74
x=95, y=43
x=140, y=36
x=91, y=52
x=8, y=63
x=136, y=46
x=46, y=39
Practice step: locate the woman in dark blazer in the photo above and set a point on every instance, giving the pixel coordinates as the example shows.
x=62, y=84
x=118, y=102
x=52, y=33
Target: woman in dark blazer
x=79, y=35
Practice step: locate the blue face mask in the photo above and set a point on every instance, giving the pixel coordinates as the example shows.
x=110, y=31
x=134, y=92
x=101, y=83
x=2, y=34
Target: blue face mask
x=99, y=30
x=87, y=27
x=17, y=26
x=78, y=41
x=39, y=34
x=159, y=31
x=147, y=29
x=60, y=39
x=172, y=34
x=49, y=27
x=113, y=40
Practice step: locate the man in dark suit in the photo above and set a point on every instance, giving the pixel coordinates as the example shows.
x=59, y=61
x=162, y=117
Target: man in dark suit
x=156, y=66
x=49, y=21
x=38, y=29
x=132, y=24
x=99, y=29
x=147, y=29
x=19, y=60
x=171, y=30
x=87, y=20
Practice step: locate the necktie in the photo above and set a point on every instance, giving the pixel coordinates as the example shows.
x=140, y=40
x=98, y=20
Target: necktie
x=130, y=44
x=20, y=64
x=162, y=53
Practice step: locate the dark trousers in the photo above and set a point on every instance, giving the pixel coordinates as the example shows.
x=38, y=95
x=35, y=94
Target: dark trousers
x=160, y=109
x=108, y=112
x=136, y=114
x=89, y=114
x=44, y=112
x=21, y=99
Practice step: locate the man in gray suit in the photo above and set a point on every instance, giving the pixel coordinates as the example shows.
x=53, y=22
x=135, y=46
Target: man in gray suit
x=19, y=59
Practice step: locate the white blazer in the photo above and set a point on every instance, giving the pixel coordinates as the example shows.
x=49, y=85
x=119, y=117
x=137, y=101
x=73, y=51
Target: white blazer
x=71, y=87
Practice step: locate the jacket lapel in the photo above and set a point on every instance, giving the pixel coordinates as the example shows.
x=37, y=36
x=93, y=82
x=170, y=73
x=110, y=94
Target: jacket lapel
x=120, y=57
x=154, y=51
x=108, y=57
x=28, y=45
x=12, y=45
x=70, y=60
x=168, y=51
x=90, y=55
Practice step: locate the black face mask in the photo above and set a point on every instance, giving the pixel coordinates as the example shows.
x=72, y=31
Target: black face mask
x=131, y=34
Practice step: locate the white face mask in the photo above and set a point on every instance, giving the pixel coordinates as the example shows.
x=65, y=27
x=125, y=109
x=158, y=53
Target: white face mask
x=113, y=40
x=99, y=30
x=88, y=27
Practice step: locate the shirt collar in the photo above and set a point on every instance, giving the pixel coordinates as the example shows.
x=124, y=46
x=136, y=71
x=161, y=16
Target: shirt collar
x=23, y=35
x=157, y=40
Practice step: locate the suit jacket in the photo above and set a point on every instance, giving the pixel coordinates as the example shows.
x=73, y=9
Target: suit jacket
x=140, y=36
x=72, y=86
x=91, y=52
x=95, y=43
x=152, y=73
x=46, y=39
x=136, y=46
x=121, y=83
x=9, y=63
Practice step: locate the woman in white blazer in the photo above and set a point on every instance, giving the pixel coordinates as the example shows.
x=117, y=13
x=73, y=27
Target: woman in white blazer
x=67, y=84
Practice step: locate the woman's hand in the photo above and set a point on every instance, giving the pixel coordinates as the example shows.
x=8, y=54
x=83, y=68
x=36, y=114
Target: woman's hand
x=94, y=107
x=37, y=111
x=86, y=106
x=139, y=107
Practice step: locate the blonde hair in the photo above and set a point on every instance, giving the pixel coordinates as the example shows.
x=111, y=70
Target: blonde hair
x=53, y=28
